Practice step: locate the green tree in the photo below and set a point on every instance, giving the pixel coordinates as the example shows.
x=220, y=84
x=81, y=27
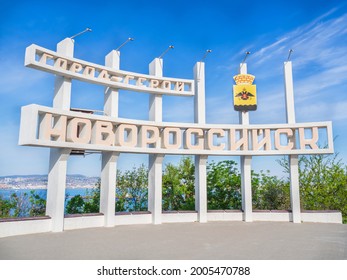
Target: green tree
x=5, y=207
x=223, y=185
x=38, y=205
x=269, y=192
x=88, y=204
x=75, y=205
x=92, y=202
x=323, y=183
x=21, y=204
x=178, y=186
x=132, y=189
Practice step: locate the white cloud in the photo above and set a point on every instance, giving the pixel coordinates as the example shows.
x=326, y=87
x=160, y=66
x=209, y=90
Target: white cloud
x=319, y=83
x=322, y=111
x=319, y=69
x=320, y=49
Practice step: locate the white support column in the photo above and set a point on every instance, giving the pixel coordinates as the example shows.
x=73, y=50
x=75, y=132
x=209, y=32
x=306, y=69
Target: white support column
x=245, y=162
x=108, y=186
x=293, y=159
x=155, y=164
x=155, y=193
x=156, y=100
x=200, y=161
x=55, y=204
x=111, y=101
x=201, y=188
x=109, y=159
x=62, y=85
x=246, y=187
x=199, y=97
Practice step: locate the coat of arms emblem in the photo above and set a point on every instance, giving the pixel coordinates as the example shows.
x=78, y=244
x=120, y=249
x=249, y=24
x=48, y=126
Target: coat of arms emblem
x=245, y=96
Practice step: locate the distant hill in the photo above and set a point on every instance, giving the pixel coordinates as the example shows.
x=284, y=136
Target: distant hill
x=40, y=181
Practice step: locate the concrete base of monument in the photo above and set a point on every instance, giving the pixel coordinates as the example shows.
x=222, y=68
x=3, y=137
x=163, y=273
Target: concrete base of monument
x=21, y=226
x=317, y=216
x=132, y=218
x=79, y=221
x=179, y=216
x=224, y=215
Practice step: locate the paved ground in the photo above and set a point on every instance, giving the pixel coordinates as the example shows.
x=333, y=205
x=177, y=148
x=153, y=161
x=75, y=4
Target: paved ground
x=213, y=240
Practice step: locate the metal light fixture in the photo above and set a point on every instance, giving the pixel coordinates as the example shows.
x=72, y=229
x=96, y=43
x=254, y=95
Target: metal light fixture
x=247, y=54
x=127, y=41
x=290, y=53
x=206, y=53
x=169, y=48
x=80, y=33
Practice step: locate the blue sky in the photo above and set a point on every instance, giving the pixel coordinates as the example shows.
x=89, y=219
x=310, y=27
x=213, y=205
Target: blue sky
x=316, y=30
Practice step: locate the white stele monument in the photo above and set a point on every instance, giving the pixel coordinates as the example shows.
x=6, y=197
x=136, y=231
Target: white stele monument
x=64, y=130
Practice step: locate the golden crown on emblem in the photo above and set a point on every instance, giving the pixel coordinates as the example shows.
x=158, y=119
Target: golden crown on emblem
x=244, y=79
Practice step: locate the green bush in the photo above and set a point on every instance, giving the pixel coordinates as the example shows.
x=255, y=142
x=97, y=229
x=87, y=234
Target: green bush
x=178, y=186
x=88, y=204
x=223, y=185
x=270, y=192
x=132, y=190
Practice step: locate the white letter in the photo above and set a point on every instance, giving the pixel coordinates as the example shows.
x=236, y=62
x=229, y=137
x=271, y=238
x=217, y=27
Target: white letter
x=179, y=86
x=140, y=81
x=89, y=71
x=79, y=131
x=131, y=140
x=311, y=142
x=220, y=134
x=103, y=75
x=289, y=133
x=127, y=78
x=154, y=84
x=75, y=67
x=177, y=138
x=148, y=135
x=242, y=143
x=61, y=63
x=266, y=141
x=103, y=133
x=53, y=128
x=44, y=58
x=166, y=85
x=199, y=134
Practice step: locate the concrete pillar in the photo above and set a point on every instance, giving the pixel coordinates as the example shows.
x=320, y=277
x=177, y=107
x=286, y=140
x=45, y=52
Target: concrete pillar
x=245, y=162
x=155, y=192
x=201, y=188
x=156, y=100
x=109, y=159
x=295, y=188
x=199, y=97
x=200, y=161
x=155, y=169
x=293, y=159
x=112, y=60
x=108, y=186
x=55, y=204
x=62, y=85
x=246, y=187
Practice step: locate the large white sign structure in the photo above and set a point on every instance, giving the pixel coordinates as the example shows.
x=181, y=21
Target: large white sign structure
x=63, y=65
x=63, y=130
x=56, y=128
